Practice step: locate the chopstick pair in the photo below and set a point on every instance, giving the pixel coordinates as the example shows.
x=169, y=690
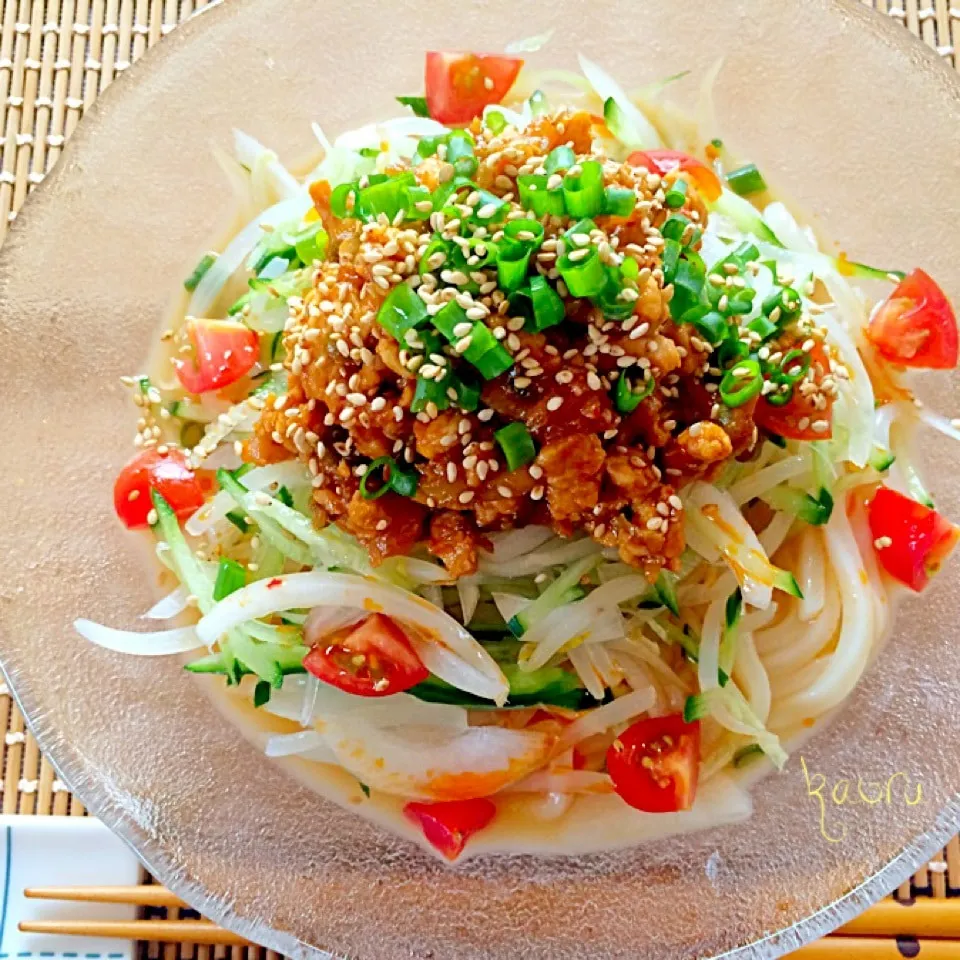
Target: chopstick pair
x=890, y=930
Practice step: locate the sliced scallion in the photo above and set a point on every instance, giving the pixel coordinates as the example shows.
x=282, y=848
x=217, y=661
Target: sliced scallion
x=618, y=201
x=548, y=309
x=517, y=445
x=402, y=310
x=676, y=196
x=583, y=193
x=584, y=276
x=741, y=383
x=628, y=398
x=746, y=180
x=560, y=158
x=417, y=104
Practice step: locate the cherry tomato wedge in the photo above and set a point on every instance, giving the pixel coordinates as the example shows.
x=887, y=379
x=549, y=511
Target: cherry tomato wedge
x=920, y=539
x=167, y=473
x=223, y=351
x=655, y=764
x=916, y=326
x=460, y=85
x=372, y=659
x=795, y=419
x=663, y=161
x=448, y=826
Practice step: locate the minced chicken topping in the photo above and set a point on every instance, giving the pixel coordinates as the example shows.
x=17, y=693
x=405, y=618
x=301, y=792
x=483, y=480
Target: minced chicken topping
x=600, y=462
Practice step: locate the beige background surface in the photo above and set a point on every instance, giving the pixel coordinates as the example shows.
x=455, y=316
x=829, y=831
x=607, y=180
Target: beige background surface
x=56, y=56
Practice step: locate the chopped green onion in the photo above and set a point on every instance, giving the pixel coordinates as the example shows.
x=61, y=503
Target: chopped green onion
x=764, y=327
x=535, y=196
x=460, y=153
x=627, y=398
x=468, y=394
x=427, y=147
x=310, y=243
x=386, y=197
x=512, y=267
x=340, y=205
x=746, y=180
x=403, y=480
x=676, y=196
x=524, y=231
x=494, y=362
x=402, y=310
x=448, y=318
x=237, y=518
x=630, y=269
x=688, y=286
x=417, y=104
x=230, y=578
x=393, y=477
x=618, y=201
x=792, y=368
x=548, y=309
x=436, y=245
x=427, y=392
x=711, y=325
x=414, y=195
x=560, y=158
x=675, y=228
x=786, y=300
x=585, y=276
x=671, y=258
x=495, y=121
x=517, y=445
x=206, y=262
x=482, y=341
x=741, y=383
x=583, y=194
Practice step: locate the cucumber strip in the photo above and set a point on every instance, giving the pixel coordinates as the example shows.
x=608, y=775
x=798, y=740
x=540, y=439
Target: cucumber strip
x=261, y=693
x=196, y=412
x=270, y=531
x=666, y=590
x=746, y=754
x=554, y=596
x=696, y=707
x=731, y=635
x=813, y=510
x=188, y=568
x=784, y=580
x=288, y=659
x=258, y=657
x=882, y=460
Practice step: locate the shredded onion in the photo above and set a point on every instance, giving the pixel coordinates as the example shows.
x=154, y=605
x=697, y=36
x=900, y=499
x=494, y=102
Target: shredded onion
x=298, y=590
x=621, y=710
x=515, y=543
x=170, y=606
x=158, y=644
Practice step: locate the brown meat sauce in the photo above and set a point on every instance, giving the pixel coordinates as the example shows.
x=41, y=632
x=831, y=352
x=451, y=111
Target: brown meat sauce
x=611, y=476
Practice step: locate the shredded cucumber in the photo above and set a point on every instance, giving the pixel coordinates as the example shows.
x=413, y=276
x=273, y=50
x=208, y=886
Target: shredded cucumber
x=813, y=510
x=554, y=596
x=666, y=590
x=187, y=567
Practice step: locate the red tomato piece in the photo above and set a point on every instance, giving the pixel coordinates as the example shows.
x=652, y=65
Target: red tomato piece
x=655, y=764
x=448, y=826
x=460, y=85
x=663, y=161
x=167, y=473
x=372, y=659
x=795, y=419
x=916, y=326
x=223, y=352
x=920, y=539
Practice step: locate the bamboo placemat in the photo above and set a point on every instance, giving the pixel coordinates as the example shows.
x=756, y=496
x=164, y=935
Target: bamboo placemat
x=56, y=57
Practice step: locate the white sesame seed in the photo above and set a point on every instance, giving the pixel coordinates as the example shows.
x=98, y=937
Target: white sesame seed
x=555, y=403
x=466, y=496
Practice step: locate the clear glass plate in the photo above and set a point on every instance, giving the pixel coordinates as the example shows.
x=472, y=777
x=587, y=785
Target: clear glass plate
x=847, y=116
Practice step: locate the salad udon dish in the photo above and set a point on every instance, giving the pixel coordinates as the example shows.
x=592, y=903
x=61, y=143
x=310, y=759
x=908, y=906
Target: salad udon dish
x=527, y=458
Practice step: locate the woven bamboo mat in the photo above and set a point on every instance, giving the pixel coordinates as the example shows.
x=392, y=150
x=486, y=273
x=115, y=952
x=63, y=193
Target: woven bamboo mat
x=56, y=57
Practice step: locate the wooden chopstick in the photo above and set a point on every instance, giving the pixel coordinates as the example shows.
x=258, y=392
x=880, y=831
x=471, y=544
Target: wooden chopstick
x=931, y=919
x=166, y=931
x=142, y=896
x=922, y=918
x=876, y=948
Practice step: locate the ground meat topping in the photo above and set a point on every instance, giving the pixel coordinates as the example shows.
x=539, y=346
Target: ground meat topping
x=352, y=386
